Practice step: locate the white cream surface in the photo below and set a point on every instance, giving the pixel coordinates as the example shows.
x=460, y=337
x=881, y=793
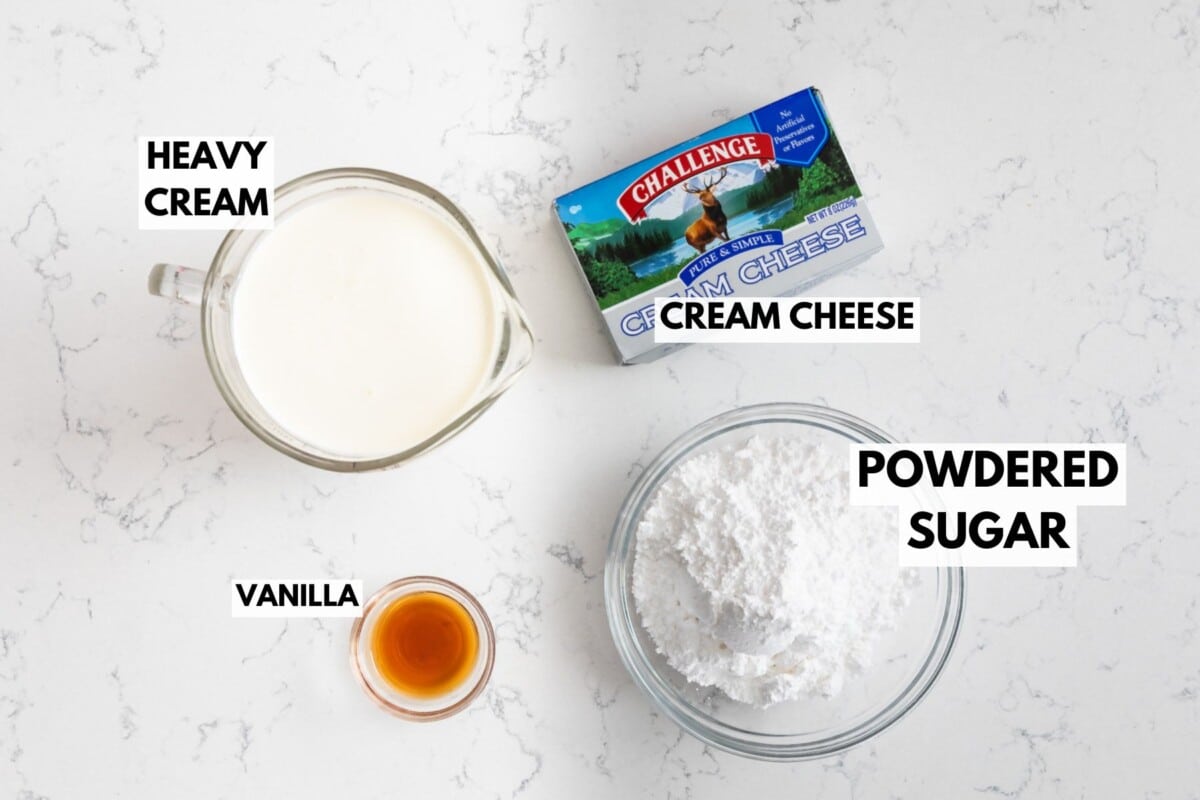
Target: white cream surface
x=364, y=323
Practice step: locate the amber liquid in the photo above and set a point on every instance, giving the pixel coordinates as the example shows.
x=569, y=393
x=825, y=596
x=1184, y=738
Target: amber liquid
x=425, y=644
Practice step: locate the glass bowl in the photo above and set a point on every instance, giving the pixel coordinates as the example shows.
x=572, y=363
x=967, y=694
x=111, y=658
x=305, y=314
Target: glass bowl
x=907, y=662
x=378, y=689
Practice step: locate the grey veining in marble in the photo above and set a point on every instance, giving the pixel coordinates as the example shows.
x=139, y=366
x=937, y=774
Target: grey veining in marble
x=1033, y=167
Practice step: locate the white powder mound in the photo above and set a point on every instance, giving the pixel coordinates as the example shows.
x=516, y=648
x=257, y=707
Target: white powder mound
x=753, y=575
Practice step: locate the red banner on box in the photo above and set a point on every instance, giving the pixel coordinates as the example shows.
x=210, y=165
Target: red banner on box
x=684, y=166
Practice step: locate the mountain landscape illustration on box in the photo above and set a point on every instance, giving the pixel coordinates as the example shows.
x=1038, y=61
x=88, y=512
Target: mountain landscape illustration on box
x=622, y=259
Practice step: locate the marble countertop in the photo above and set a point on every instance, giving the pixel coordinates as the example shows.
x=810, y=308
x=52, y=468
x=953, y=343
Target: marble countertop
x=1033, y=170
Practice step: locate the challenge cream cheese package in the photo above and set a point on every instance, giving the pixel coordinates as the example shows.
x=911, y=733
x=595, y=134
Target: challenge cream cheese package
x=764, y=205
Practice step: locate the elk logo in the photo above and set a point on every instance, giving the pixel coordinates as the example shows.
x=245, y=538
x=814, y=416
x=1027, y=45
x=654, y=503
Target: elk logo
x=712, y=222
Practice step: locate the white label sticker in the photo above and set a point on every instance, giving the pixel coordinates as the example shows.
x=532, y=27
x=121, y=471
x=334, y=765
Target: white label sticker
x=988, y=505
x=206, y=183
x=258, y=598
x=780, y=320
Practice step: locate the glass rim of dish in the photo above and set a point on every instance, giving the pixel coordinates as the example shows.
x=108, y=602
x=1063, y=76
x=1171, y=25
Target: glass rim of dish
x=404, y=587
x=625, y=625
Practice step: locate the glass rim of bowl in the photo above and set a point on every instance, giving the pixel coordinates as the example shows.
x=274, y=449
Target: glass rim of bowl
x=624, y=625
x=457, y=700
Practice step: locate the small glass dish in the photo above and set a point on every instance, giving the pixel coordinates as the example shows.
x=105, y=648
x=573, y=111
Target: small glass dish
x=418, y=709
x=907, y=661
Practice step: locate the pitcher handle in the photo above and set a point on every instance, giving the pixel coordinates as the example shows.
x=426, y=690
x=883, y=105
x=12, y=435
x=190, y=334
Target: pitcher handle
x=181, y=284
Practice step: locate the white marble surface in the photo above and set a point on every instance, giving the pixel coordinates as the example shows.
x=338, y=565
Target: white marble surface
x=1033, y=167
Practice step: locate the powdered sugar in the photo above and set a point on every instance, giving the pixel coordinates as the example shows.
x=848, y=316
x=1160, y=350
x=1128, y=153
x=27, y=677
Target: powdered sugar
x=753, y=575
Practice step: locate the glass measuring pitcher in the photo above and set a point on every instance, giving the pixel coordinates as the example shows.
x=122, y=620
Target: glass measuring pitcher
x=511, y=342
